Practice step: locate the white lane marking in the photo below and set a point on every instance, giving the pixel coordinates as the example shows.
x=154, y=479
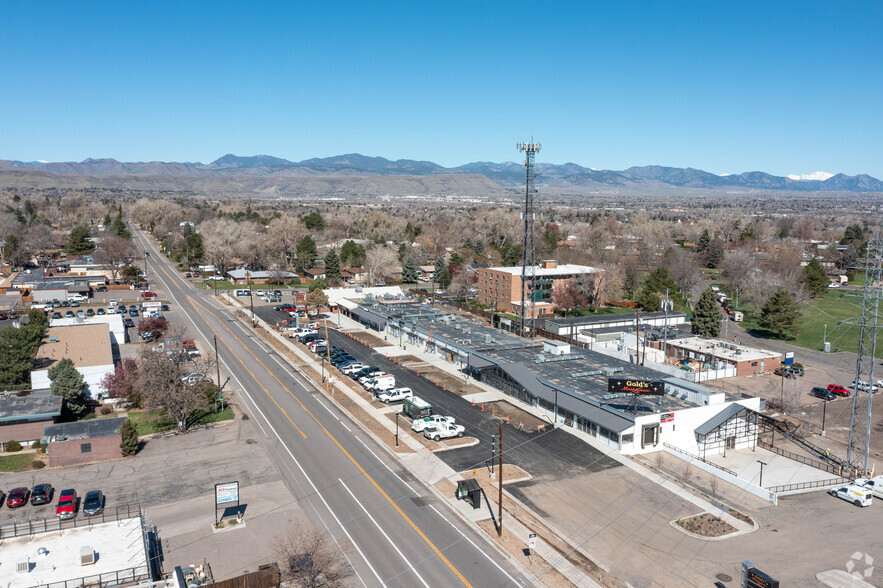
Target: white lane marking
x=379, y=528
x=290, y=454
x=386, y=465
x=289, y=372
x=477, y=548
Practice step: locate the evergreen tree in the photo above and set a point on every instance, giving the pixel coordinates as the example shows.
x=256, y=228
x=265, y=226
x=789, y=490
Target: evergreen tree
x=815, y=278
x=852, y=234
x=68, y=383
x=704, y=241
x=444, y=279
x=659, y=281
x=314, y=221
x=129, y=433
x=714, y=254
x=306, y=253
x=78, y=241
x=439, y=266
x=780, y=314
x=649, y=301
x=194, y=248
x=707, y=315
x=511, y=254
x=352, y=254
x=403, y=252
x=410, y=273
x=332, y=266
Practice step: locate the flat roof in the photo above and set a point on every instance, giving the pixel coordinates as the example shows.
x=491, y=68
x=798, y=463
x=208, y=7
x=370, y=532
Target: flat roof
x=561, y=269
x=34, y=405
x=85, y=345
x=722, y=349
x=118, y=546
x=85, y=429
x=610, y=318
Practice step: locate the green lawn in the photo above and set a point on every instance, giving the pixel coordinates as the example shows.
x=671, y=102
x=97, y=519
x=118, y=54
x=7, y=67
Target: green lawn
x=157, y=422
x=819, y=315
x=17, y=462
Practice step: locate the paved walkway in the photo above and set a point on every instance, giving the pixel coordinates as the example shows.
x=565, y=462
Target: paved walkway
x=777, y=470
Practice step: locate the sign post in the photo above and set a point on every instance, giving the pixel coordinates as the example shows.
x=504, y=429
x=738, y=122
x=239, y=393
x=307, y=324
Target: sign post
x=226, y=494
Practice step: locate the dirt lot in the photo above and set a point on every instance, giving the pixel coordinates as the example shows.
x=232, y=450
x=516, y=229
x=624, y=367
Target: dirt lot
x=366, y=338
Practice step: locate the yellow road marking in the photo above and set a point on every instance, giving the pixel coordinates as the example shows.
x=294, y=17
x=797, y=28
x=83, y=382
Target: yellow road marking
x=345, y=452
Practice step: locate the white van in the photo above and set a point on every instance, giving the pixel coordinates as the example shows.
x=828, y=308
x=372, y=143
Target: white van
x=380, y=384
x=875, y=485
x=853, y=493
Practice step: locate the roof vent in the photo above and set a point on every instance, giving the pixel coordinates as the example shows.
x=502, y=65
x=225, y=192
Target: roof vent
x=23, y=566
x=53, y=339
x=87, y=555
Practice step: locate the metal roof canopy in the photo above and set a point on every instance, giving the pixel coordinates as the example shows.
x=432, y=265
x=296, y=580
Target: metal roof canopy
x=85, y=429
x=720, y=418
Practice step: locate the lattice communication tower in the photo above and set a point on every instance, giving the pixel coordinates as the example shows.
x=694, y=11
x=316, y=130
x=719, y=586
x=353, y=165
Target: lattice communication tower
x=528, y=255
x=860, y=426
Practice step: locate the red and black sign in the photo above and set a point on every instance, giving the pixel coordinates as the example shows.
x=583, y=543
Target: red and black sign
x=635, y=386
x=666, y=417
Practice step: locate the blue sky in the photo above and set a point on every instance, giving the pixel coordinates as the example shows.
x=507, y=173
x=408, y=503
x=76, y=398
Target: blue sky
x=783, y=87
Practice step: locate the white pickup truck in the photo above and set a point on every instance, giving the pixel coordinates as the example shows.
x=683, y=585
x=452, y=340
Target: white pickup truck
x=431, y=421
x=394, y=395
x=443, y=431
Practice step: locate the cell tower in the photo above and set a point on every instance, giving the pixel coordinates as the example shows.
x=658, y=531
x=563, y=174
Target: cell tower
x=528, y=255
x=860, y=426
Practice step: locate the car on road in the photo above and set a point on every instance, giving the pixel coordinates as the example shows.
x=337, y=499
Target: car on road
x=838, y=390
x=853, y=493
x=17, y=497
x=431, y=421
x=93, y=503
x=822, y=393
x=67, y=504
x=444, y=431
x=41, y=494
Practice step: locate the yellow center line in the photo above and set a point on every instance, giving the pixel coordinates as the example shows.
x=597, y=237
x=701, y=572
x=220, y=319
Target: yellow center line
x=250, y=373
x=345, y=452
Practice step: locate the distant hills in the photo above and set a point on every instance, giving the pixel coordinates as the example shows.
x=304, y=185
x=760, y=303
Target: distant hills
x=564, y=178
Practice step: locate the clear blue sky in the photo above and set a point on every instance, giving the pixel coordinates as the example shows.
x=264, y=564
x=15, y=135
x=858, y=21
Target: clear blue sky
x=783, y=87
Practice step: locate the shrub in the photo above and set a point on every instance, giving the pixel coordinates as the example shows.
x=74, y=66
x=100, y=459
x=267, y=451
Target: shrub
x=13, y=446
x=89, y=416
x=105, y=410
x=37, y=464
x=129, y=434
x=40, y=447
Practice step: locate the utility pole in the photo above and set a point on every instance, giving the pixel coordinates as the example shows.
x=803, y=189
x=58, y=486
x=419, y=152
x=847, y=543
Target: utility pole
x=665, y=331
x=824, y=413
x=528, y=253
x=493, y=452
x=637, y=339
x=217, y=363
x=328, y=357
x=500, y=485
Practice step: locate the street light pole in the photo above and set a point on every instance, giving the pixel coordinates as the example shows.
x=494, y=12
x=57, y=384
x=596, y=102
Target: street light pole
x=397, y=428
x=217, y=363
x=824, y=412
x=761, y=472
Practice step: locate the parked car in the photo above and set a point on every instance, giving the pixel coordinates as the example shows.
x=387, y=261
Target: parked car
x=41, y=494
x=431, y=421
x=147, y=294
x=875, y=485
x=370, y=373
x=101, y=289
x=862, y=386
x=259, y=293
x=443, y=431
x=194, y=378
x=822, y=393
x=133, y=312
x=17, y=497
x=69, y=314
x=93, y=503
x=853, y=493
x=784, y=371
x=385, y=389
x=74, y=304
x=796, y=370
x=187, y=275
x=838, y=389
x=352, y=368
x=164, y=307
x=90, y=312
x=67, y=504
x=81, y=314
x=128, y=323
x=100, y=312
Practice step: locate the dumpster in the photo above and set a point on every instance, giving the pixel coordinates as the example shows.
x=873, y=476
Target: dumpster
x=469, y=490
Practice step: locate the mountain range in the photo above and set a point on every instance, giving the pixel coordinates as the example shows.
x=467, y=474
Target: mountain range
x=568, y=177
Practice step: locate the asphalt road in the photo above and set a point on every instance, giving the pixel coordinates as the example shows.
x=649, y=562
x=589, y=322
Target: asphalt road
x=390, y=528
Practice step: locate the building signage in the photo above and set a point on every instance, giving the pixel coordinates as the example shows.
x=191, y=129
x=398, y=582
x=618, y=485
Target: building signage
x=635, y=386
x=226, y=493
x=667, y=417
x=532, y=541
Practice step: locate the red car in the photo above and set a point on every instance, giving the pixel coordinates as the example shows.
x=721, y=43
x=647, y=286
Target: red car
x=3, y=316
x=67, y=504
x=146, y=294
x=17, y=497
x=838, y=390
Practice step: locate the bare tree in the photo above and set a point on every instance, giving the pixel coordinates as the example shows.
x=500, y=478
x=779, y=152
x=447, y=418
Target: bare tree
x=162, y=388
x=461, y=283
x=379, y=263
x=308, y=560
x=283, y=233
x=40, y=239
x=112, y=253
x=222, y=239
x=683, y=269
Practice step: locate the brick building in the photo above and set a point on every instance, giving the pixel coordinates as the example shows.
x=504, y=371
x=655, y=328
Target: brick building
x=500, y=287
x=83, y=441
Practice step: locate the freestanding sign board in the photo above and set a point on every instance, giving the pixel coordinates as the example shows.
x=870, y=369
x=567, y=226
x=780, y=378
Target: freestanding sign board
x=532, y=541
x=226, y=494
x=635, y=386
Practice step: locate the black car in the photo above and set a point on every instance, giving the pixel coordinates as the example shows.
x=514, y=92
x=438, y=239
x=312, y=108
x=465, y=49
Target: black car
x=365, y=372
x=90, y=312
x=93, y=503
x=823, y=393
x=41, y=494
x=344, y=359
x=101, y=289
x=100, y=312
x=128, y=323
x=309, y=338
x=165, y=307
x=56, y=315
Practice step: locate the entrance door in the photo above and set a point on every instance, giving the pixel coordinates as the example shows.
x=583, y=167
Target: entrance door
x=650, y=436
x=731, y=442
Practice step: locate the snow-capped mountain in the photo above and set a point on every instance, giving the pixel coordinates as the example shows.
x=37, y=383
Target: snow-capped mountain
x=817, y=175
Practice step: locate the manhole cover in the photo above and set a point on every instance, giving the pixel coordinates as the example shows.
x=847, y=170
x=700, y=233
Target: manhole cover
x=724, y=578
x=250, y=442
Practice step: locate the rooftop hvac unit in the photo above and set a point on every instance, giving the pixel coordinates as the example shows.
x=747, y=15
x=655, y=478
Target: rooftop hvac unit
x=457, y=326
x=488, y=338
x=87, y=555
x=53, y=339
x=538, y=357
x=23, y=566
